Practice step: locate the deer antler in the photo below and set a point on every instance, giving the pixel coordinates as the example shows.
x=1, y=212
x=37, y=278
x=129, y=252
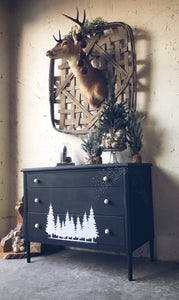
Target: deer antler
x=77, y=18
x=59, y=40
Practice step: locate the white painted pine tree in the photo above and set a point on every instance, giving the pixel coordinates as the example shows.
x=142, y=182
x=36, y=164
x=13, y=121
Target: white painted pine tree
x=93, y=232
x=62, y=230
x=50, y=225
x=72, y=228
x=58, y=227
x=85, y=227
x=67, y=225
x=85, y=231
x=78, y=233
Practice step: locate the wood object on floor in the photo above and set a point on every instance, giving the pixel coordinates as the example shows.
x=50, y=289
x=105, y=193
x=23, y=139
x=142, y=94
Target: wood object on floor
x=6, y=250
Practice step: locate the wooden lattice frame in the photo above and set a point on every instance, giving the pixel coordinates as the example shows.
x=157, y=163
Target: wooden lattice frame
x=111, y=50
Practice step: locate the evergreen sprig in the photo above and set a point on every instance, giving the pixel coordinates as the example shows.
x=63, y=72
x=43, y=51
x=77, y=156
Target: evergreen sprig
x=96, y=24
x=134, y=132
x=91, y=145
x=113, y=115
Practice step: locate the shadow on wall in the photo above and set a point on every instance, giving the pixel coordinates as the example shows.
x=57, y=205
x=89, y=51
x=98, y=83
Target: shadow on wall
x=153, y=134
x=165, y=191
x=143, y=47
x=165, y=207
x=165, y=186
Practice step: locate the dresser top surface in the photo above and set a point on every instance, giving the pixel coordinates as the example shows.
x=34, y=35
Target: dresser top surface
x=82, y=167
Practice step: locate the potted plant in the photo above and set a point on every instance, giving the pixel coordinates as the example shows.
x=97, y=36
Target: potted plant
x=113, y=121
x=92, y=147
x=134, y=135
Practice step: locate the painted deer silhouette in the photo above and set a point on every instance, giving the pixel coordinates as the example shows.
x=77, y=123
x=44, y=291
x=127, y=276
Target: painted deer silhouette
x=91, y=80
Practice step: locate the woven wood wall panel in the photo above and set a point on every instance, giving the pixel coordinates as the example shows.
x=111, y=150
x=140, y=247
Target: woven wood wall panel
x=111, y=50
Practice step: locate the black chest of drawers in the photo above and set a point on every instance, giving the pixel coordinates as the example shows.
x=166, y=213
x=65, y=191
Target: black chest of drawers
x=102, y=207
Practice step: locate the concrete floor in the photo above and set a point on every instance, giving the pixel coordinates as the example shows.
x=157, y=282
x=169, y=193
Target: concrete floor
x=80, y=275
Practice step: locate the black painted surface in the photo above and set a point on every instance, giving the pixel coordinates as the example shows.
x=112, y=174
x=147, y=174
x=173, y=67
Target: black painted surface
x=75, y=189
x=140, y=209
x=76, y=177
x=116, y=237
x=77, y=200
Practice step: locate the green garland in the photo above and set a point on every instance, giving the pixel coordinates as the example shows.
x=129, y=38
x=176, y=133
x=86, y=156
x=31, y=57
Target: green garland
x=96, y=24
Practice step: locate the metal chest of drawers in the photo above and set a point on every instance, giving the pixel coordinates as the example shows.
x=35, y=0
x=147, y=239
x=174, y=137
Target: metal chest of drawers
x=103, y=207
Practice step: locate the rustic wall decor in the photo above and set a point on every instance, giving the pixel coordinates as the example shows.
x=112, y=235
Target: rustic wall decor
x=110, y=50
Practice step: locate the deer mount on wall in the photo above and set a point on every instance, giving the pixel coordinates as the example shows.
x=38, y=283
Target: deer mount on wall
x=87, y=62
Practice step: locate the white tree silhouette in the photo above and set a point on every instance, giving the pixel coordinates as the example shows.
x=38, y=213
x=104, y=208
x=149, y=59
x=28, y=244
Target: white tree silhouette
x=50, y=226
x=84, y=226
x=67, y=229
x=62, y=230
x=72, y=228
x=92, y=229
x=67, y=226
x=78, y=232
x=58, y=227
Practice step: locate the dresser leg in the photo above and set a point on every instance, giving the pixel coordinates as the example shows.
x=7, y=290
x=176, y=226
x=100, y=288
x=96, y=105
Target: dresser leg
x=28, y=251
x=151, y=243
x=129, y=259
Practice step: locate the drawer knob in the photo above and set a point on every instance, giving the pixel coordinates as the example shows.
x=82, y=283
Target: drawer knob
x=107, y=231
x=105, y=178
x=36, y=180
x=106, y=201
x=37, y=225
x=36, y=200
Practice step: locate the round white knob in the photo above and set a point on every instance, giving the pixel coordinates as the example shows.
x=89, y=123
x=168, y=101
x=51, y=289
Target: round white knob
x=106, y=201
x=36, y=180
x=107, y=231
x=36, y=225
x=105, y=178
x=36, y=200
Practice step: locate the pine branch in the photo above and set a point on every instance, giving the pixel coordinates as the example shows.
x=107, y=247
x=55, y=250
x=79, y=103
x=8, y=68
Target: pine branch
x=91, y=145
x=134, y=132
x=90, y=27
x=113, y=115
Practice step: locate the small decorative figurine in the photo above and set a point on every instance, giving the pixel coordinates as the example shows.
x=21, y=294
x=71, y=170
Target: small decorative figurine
x=64, y=159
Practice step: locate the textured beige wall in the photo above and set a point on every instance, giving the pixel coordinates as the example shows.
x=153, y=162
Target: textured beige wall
x=4, y=118
x=34, y=141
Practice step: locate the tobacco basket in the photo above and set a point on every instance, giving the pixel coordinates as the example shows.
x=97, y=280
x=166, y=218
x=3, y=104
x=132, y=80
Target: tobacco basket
x=111, y=50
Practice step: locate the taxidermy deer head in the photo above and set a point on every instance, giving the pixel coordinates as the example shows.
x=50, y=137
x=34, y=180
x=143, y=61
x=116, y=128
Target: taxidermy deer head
x=92, y=81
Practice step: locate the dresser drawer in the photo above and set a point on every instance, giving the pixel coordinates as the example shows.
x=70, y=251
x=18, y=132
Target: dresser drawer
x=87, y=229
x=76, y=200
x=103, y=177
